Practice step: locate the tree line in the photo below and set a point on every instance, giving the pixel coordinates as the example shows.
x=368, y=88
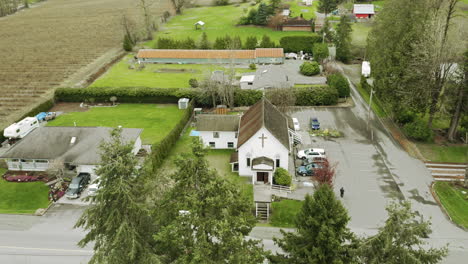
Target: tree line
x=8, y=7
x=194, y=215
x=418, y=63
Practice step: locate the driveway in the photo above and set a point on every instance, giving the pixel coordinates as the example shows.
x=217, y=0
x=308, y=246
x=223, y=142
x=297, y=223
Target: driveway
x=79, y=201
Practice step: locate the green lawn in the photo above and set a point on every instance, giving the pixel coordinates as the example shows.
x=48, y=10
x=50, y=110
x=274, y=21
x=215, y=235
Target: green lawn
x=454, y=201
x=359, y=34
x=157, y=75
x=284, y=213
x=22, y=197
x=296, y=9
x=439, y=153
x=155, y=120
x=220, y=21
x=218, y=160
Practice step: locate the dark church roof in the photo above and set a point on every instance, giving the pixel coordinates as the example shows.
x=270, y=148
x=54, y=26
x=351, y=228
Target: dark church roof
x=263, y=114
x=209, y=122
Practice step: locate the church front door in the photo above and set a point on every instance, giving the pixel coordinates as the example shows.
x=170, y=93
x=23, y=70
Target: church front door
x=262, y=176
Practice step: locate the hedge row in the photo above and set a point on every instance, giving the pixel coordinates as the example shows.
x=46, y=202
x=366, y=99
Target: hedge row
x=161, y=149
x=306, y=96
x=298, y=43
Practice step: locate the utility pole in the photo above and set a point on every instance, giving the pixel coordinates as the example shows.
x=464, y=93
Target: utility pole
x=370, y=105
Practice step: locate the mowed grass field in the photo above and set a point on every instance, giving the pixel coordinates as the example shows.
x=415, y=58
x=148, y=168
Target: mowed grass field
x=155, y=120
x=157, y=75
x=297, y=8
x=220, y=21
x=43, y=46
x=22, y=197
x=454, y=201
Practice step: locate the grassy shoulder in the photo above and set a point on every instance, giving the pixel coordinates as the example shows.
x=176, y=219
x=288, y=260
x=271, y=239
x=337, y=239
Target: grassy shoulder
x=156, y=75
x=438, y=153
x=22, y=197
x=219, y=22
x=155, y=120
x=378, y=109
x=454, y=201
x=283, y=213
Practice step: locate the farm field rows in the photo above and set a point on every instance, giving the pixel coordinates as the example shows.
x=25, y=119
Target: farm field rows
x=156, y=75
x=220, y=21
x=43, y=46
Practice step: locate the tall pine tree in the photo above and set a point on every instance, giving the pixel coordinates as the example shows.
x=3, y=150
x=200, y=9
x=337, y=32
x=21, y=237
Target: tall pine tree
x=205, y=218
x=322, y=235
x=343, y=39
x=204, y=43
x=117, y=221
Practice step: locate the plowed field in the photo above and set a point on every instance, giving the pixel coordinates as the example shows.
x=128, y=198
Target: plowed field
x=42, y=47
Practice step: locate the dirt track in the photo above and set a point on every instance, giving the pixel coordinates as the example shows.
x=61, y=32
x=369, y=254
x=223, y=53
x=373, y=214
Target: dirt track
x=57, y=43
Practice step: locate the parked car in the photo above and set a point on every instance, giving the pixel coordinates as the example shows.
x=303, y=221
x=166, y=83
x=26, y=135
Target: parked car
x=311, y=153
x=291, y=55
x=77, y=185
x=317, y=159
x=309, y=169
x=297, y=127
x=314, y=123
x=93, y=188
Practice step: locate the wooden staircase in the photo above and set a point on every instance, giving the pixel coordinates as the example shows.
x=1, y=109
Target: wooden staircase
x=262, y=210
x=446, y=171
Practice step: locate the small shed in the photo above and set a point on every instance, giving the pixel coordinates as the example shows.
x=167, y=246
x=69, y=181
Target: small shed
x=297, y=24
x=364, y=11
x=183, y=103
x=200, y=25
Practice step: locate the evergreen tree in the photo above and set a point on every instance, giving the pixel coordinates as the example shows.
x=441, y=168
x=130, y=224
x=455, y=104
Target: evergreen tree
x=343, y=39
x=327, y=6
x=204, y=43
x=188, y=43
x=321, y=235
x=320, y=51
x=117, y=221
x=227, y=42
x=251, y=43
x=236, y=43
x=219, y=44
x=262, y=14
x=326, y=32
x=127, y=43
x=205, y=217
x=400, y=240
x=266, y=42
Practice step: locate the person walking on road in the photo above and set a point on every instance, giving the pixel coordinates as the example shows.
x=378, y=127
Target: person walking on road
x=342, y=192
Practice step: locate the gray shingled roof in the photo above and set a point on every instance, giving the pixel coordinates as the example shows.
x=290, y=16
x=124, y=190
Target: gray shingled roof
x=218, y=122
x=364, y=9
x=54, y=143
x=263, y=113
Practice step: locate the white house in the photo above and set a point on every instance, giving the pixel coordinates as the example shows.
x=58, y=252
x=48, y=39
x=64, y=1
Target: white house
x=218, y=131
x=76, y=147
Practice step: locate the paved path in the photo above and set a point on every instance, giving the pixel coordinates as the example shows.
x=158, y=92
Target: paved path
x=375, y=171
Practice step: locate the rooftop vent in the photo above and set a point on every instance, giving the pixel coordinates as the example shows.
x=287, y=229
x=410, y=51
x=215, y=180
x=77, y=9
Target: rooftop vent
x=72, y=140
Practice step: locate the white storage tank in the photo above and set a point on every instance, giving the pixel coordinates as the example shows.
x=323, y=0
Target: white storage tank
x=366, y=69
x=183, y=103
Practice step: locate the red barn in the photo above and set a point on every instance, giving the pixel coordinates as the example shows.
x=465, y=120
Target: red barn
x=364, y=11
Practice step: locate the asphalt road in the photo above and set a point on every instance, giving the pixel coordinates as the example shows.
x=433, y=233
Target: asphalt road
x=374, y=170
x=47, y=239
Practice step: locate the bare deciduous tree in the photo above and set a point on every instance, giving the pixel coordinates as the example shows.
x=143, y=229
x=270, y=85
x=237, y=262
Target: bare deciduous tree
x=150, y=24
x=179, y=4
x=282, y=97
x=56, y=169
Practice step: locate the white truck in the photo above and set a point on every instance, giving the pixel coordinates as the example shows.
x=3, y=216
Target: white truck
x=22, y=128
x=366, y=70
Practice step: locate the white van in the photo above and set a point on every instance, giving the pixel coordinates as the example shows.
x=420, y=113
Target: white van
x=311, y=153
x=297, y=127
x=22, y=128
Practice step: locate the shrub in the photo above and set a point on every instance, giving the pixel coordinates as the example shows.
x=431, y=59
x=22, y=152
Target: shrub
x=298, y=43
x=252, y=66
x=321, y=95
x=404, y=116
x=320, y=51
x=364, y=84
x=267, y=42
x=251, y=42
x=418, y=130
x=221, y=2
x=310, y=68
x=246, y=97
x=282, y=177
x=127, y=43
x=340, y=83
x=193, y=83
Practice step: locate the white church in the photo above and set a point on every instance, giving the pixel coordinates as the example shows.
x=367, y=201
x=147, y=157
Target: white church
x=261, y=136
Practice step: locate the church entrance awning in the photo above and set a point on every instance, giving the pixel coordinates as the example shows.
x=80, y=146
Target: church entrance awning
x=263, y=164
